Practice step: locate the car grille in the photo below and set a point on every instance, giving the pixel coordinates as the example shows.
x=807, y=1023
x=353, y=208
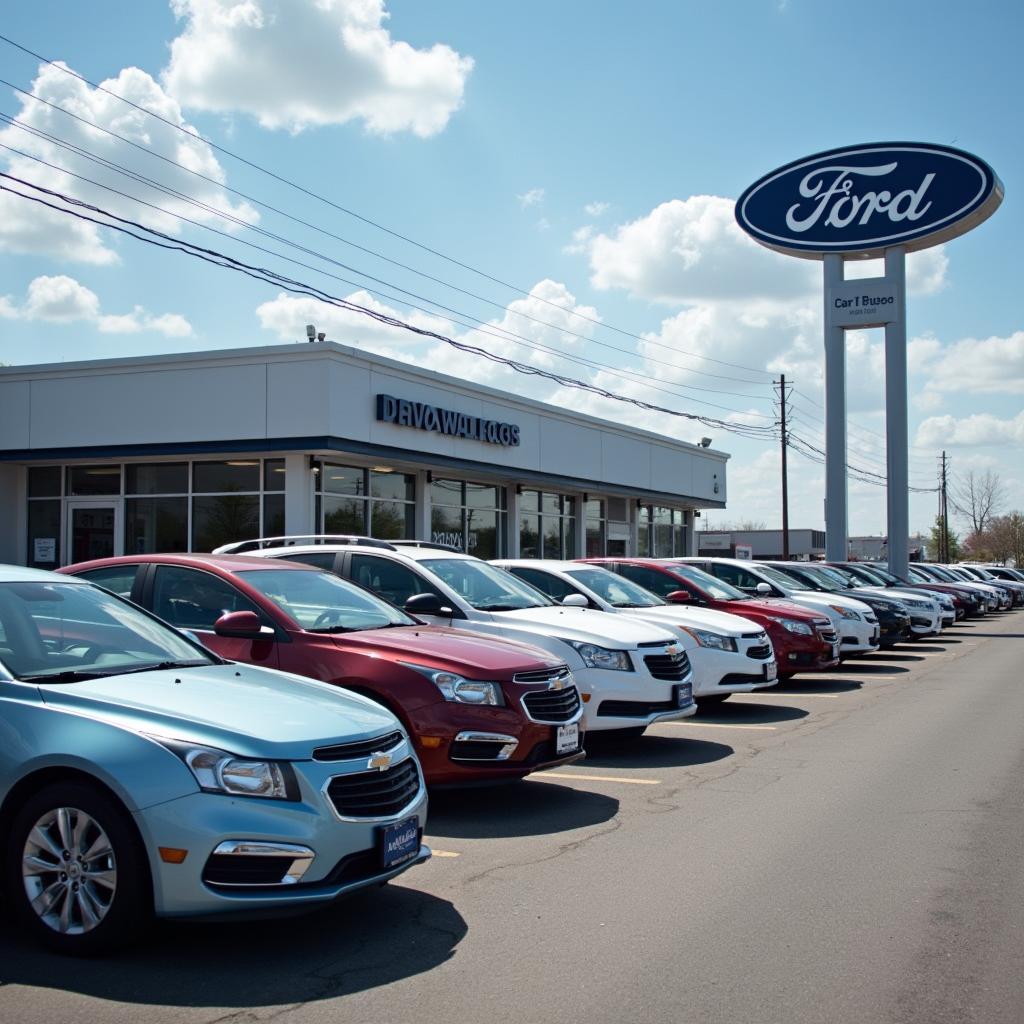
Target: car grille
x=543, y=675
x=674, y=667
x=634, y=708
x=761, y=651
x=375, y=794
x=552, y=705
x=360, y=748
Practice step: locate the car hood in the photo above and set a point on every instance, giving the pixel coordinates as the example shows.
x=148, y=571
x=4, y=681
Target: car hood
x=586, y=626
x=456, y=650
x=696, y=618
x=829, y=602
x=776, y=606
x=253, y=712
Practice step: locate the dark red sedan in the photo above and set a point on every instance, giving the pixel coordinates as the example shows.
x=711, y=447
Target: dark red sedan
x=803, y=640
x=477, y=708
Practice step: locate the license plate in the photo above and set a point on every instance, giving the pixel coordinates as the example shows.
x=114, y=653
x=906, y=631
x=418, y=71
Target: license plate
x=771, y=671
x=683, y=694
x=876, y=633
x=835, y=650
x=399, y=842
x=567, y=739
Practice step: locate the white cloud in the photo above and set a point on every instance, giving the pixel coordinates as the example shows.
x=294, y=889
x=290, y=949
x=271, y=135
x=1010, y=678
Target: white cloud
x=580, y=240
x=31, y=228
x=302, y=63
x=533, y=197
x=63, y=300
x=971, y=431
x=692, y=250
x=985, y=366
x=595, y=209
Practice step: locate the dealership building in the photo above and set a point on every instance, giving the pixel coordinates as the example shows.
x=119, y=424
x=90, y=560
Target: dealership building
x=189, y=451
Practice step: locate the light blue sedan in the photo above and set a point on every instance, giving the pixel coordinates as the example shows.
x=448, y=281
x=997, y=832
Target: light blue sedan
x=141, y=775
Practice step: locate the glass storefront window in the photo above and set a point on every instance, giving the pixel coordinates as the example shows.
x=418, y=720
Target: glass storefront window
x=344, y=515
x=273, y=515
x=552, y=534
x=273, y=475
x=396, y=486
x=446, y=526
x=155, y=524
x=44, y=541
x=594, y=510
x=392, y=520
x=86, y=481
x=468, y=516
x=223, y=518
x=156, y=478
x=343, y=480
x=379, y=502
x=230, y=476
x=44, y=482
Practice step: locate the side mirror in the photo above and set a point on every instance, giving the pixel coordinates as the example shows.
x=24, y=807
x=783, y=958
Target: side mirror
x=575, y=601
x=426, y=604
x=679, y=597
x=763, y=589
x=244, y=625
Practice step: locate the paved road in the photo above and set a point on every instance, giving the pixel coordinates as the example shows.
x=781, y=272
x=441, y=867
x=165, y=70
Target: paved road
x=845, y=849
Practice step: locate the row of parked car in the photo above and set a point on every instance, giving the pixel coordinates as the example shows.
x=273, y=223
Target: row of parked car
x=255, y=729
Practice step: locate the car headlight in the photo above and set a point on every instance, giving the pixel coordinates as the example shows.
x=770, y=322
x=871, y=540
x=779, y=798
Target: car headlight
x=601, y=657
x=217, y=771
x=844, y=613
x=796, y=626
x=705, y=638
x=913, y=602
x=460, y=690
x=900, y=609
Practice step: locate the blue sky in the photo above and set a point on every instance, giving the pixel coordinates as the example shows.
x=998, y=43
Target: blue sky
x=486, y=132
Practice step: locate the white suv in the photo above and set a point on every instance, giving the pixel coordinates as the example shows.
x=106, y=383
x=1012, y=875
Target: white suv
x=631, y=673
x=729, y=654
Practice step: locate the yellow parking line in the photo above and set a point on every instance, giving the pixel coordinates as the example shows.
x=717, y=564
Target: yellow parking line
x=598, y=778
x=444, y=853
x=720, y=725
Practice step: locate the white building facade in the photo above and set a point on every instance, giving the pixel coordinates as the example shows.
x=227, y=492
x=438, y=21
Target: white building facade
x=187, y=452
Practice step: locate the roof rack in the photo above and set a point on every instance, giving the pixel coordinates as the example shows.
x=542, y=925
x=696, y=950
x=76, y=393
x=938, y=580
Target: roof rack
x=240, y=547
x=424, y=544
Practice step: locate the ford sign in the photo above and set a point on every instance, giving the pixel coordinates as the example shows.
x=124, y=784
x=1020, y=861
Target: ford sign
x=861, y=200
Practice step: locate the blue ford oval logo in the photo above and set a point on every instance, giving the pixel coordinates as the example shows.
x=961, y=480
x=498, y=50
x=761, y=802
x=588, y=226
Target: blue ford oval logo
x=861, y=200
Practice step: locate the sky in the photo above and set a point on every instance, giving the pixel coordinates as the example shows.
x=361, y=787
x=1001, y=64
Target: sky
x=553, y=183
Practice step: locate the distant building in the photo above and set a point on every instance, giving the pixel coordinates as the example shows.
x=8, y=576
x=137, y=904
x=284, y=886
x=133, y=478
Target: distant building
x=804, y=545
x=876, y=549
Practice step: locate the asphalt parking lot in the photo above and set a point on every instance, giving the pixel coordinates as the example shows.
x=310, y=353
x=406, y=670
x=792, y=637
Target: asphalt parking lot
x=845, y=847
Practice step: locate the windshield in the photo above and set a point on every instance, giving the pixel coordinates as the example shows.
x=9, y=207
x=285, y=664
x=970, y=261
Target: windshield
x=808, y=577
x=64, y=632
x=885, y=577
x=712, y=585
x=845, y=580
x=486, y=587
x=780, y=579
x=324, y=603
x=616, y=590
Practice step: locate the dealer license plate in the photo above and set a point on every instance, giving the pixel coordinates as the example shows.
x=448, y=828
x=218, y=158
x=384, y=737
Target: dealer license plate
x=835, y=650
x=400, y=842
x=567, y=738
x=876, y=633
x=684, y=695
x=771, y=671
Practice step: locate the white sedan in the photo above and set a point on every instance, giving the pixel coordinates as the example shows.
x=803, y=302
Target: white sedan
x=729, y=654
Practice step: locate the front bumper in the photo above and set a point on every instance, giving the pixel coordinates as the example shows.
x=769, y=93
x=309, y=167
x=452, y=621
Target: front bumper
x=858, y=636
x=468, y=741
x=732, y=671
x=345, y=857
x=627, y=700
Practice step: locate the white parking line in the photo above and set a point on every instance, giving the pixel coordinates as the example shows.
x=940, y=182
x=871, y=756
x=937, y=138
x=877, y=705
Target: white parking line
x=720, y=725
x=444, y=853
x=541, y=776
x=800, y=696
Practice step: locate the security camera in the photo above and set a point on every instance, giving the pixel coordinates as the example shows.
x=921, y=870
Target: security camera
x=310, y=331
x=705, y=442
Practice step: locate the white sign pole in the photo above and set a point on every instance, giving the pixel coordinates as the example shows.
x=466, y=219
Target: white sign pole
x=836, y=522
x=898, y=483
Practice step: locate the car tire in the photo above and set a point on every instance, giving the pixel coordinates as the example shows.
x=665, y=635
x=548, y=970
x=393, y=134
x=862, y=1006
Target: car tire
x=711, y=699
x=104, y=898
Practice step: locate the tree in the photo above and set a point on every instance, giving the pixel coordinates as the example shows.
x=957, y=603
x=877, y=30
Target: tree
x=978, y=497
x=1004, y=538
x=739, y=526
x=952, y=541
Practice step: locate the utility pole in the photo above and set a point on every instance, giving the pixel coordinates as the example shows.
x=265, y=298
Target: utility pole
x=944, y=536
x=785, y=474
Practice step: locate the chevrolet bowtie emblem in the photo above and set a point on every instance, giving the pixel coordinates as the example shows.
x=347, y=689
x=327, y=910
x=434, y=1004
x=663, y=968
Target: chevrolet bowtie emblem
x=382, y=762
x=556, y=684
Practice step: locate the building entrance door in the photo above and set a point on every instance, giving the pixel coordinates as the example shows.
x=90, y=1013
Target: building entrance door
x=94, y=530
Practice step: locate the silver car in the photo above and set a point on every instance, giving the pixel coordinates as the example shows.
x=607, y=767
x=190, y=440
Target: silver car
x=141, y=775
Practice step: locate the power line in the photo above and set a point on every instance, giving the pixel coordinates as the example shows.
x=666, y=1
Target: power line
x=502, y=334
x=297, y=287
x=352, y=213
